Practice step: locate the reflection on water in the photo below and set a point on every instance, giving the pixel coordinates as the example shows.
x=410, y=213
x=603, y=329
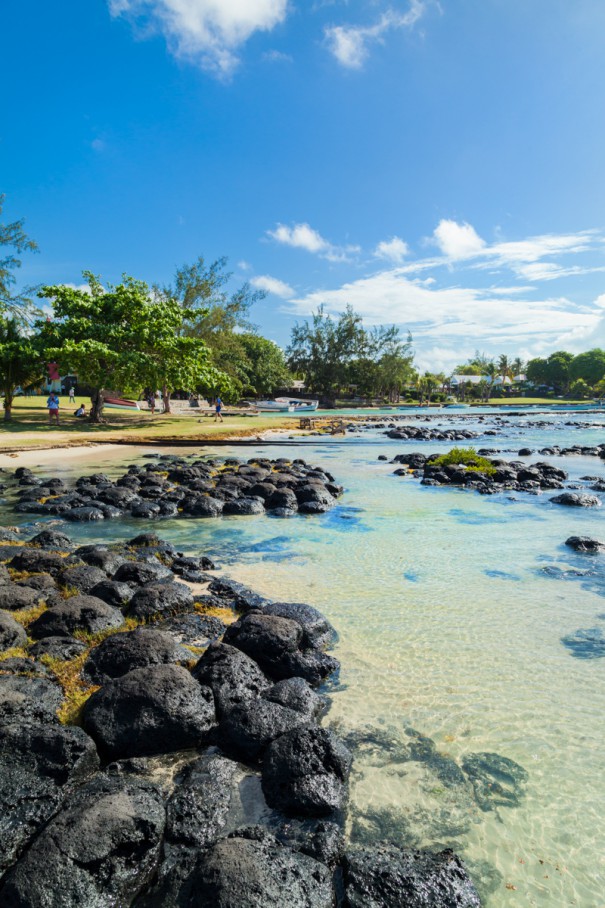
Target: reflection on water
x=471, y=688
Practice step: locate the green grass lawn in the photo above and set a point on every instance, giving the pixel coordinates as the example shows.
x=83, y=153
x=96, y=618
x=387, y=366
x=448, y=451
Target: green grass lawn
x=531, y=401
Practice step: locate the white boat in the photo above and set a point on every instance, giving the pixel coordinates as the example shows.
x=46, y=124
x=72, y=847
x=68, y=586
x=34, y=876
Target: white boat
x=299, y=405
x=273, y=406
x=120, y=403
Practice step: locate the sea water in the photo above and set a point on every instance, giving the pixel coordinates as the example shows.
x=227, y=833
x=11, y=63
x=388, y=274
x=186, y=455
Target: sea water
x=457, y=615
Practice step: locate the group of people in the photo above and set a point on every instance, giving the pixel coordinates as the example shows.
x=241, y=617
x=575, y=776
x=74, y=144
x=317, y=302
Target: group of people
x=53, y=405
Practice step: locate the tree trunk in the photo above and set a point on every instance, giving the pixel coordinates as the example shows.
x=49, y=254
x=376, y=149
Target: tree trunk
x=8, y=405
x=98, y=402
x=166, y=398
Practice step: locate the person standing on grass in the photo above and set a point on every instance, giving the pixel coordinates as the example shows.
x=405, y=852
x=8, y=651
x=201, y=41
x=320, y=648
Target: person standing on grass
x=151, y=403
x=53, y=408
x=217, y=410
x=72, y=394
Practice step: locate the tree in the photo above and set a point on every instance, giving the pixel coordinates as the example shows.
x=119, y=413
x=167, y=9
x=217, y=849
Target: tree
x=265, y=366
x=590, y=366
x=124, y=338
x=218, y=316
x=518, y=367
x=21, y=364
x=579, y=389
x=537, y=371
x=14, y=238
x=322, y=351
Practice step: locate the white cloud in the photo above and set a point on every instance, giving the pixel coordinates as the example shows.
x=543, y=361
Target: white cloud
x=393, y=250
x=209, y=32
x=272, y=285
x=456, y=316
x=457, y=241
x=303, y=236
x=244, y=265
x=350, y=44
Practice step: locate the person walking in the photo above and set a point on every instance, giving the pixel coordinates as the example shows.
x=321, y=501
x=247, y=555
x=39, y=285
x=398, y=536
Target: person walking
x=217, y=410
x=151, y=403
x=53, y=408
x=72, y=394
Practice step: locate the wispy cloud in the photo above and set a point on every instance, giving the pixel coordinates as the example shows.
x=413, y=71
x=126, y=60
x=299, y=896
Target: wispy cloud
x=272, y=285
x=207, y=32
x=303, y=236
x=350, y=44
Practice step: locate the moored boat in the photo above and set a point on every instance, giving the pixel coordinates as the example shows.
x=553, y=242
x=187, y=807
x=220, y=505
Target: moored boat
x=272, y=406
x=300, y=406
x=120, y=403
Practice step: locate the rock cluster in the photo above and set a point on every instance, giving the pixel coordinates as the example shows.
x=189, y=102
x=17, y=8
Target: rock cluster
x=171, y=487
x=184, y=779
x=421, y=433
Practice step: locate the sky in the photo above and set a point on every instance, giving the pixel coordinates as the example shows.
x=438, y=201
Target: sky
x=437, y=165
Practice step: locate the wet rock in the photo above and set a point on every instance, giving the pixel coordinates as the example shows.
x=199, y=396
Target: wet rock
x=391, y=877
x=79, y=613
x=497, y=781
x=22, y=666
x=121, y=653
x=25, y=699
x=84, y=514
x=101, y=849
x=36, y=561
x=233, y=677
x=100, y=557
x=81, y=578
x=244, y=507
x=44, y=583
x=585, y=544
x=577, y=500
x=39, y=763
x=237, y=595
x=306, y=771
x=194, y=630
x=141, y=572
x=275, y=643
x=156, y=599
x=317, y=630
x=11, y=632
x=247, y=729
x=64, y=648
x=323, y=840
x=17, y=598
x=196, y=814
x=204, y=506
x=152, y=710
x=296, y=694
x=251, y=870
x=113, y=592
x=52, y=539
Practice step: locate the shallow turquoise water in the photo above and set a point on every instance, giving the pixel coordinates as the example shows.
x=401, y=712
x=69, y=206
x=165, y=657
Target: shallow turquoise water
x=450, y=607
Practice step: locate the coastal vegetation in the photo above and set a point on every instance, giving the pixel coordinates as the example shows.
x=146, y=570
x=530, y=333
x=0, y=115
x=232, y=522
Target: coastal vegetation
x=466, y=458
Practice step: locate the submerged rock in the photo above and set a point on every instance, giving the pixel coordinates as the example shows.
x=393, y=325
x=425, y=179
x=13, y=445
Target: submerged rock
x=586, y=643
x=497, y=781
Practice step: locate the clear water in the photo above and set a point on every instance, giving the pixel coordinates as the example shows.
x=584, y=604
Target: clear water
x=451, y=609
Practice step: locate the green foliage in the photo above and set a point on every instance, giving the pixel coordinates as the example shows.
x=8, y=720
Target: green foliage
x=589, y=366
x=21, y=363
x=333, y=354
x=468, y=458
x=264, y=366
x=14, y=238
x=124, y=338
x=579, y=389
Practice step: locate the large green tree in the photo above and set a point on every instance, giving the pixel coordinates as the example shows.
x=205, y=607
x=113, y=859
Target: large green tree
x=264, y=366
x=124, y=338
x=21, y=363
x=589, y=366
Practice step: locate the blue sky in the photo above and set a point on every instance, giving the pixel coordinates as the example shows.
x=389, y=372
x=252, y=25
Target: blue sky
x=439, y=165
